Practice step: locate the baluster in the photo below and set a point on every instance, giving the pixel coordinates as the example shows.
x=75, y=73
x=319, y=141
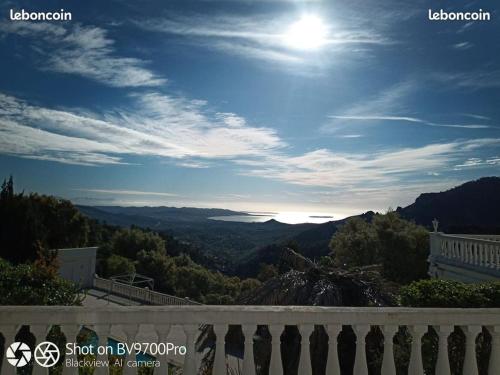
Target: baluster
x=130, y=331
x=416, y=366
x=190, y=357
x=498, y=257
x=70, y=332
x=470, y=362
x=102, y=331
x=494, y=365
x=443, y=363
x=40, y=332
x=220, y=350
x=305, y=367
x=248, y=359
x=9, y=335
x=276, y=366
x=481, y=254
x=162, y=331
x=360, y=365
x=332, y=364
x=388, y=366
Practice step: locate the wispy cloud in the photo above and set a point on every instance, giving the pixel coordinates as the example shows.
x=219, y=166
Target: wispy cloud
x=478, y=162
x=463, y=46
x=478, y=79
x=83, y=50
x=343, y=170
x=257, y=37
x=350, y=136
x=409, y=119
x=390, y=106
x=157, y=125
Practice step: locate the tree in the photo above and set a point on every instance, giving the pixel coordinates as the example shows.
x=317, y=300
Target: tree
x=159, y=267
x=29, y=221
x=355, y=244
x=129, y=242
x=249, y=285
x=34, y=284
x=7, y=189
x=118, y=265
x=267, y=272
x=404, y=248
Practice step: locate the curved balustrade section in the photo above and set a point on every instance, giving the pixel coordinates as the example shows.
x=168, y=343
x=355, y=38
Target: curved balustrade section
x=334, y=319
x=469, y=258
x=140, y=294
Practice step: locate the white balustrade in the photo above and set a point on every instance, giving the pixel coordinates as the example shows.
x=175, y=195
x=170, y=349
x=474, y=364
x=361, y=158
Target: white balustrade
x=130, y=331
x=305, y=357
x=480, y=254
x=416, y=366
x=470, y=361
x=494, y=365
x=70, y=331
x=132, y=320
x=276, y=365
x=443, y=362
x=248, y=360
x=219, y=367
x=360, y=364
x=139, y=294
x=332, y=364
x=388, y=365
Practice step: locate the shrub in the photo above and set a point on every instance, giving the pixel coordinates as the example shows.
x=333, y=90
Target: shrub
x=446, y=293
x=28, y=284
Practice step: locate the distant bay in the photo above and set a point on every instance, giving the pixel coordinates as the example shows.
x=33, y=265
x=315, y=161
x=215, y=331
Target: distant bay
x=283, y=217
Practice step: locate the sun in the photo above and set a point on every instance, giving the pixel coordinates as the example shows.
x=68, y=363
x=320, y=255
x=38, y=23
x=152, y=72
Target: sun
x=308, y=33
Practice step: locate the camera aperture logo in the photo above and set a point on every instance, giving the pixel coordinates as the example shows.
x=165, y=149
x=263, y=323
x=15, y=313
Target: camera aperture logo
x=47, y=354
x=18, y=354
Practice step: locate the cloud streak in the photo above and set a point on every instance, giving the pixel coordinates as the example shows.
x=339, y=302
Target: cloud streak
x=85, y=51
x=256, y=37
x=157, y=125
x=389, y=106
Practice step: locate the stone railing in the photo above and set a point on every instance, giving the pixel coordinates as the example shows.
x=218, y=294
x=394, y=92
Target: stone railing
x=477, y=254
x=144, y=295
x=133, y=320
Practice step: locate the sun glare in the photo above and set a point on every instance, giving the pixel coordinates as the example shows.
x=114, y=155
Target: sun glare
x=308, y=33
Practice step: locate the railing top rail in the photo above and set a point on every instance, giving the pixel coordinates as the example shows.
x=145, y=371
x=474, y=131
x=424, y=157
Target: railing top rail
x=282, y=315
x=465, y=237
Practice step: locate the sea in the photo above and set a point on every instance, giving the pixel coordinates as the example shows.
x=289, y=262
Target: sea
x=283, y=217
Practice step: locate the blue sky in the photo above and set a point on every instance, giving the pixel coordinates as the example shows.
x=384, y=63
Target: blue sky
x=221, y=104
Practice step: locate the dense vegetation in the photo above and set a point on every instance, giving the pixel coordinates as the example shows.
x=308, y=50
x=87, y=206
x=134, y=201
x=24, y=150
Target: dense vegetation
x=34, y=284
x=32, y=224
x=400, y=246
x=447, y=293
x=452, y=294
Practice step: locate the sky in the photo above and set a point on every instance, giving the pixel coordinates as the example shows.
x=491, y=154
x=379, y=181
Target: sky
x=337, y=106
